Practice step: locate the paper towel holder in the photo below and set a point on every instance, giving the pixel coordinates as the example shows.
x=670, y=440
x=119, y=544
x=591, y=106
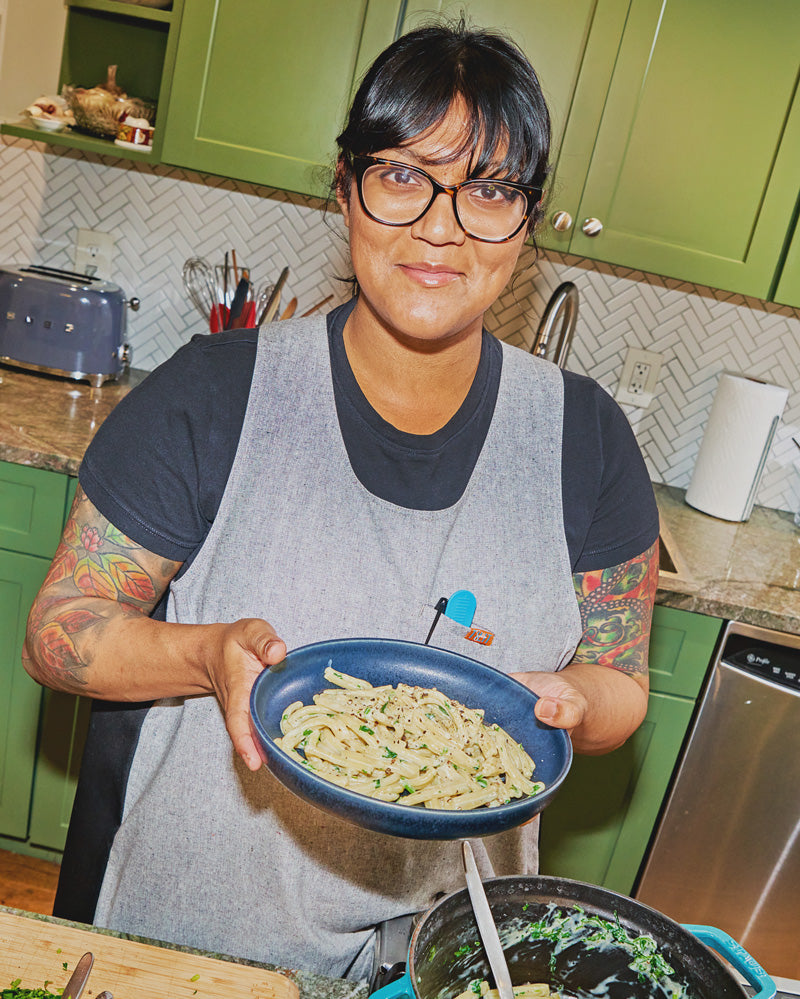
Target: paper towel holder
x=748, y=506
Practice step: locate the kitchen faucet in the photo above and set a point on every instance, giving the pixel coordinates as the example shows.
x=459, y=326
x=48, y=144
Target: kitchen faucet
x=564, y=303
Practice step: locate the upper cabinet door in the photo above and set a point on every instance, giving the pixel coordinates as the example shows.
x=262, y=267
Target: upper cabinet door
x=561, y=44
x=261, y=87
x=788, y=291
x=695, y=169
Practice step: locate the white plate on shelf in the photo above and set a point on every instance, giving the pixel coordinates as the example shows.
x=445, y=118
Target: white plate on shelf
x=49, y=124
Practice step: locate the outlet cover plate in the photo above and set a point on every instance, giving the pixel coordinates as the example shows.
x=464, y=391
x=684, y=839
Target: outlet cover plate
x=93, y=253
x=639, y=377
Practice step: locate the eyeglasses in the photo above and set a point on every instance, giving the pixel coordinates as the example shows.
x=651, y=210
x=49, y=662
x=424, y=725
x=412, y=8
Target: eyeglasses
x=397, y=194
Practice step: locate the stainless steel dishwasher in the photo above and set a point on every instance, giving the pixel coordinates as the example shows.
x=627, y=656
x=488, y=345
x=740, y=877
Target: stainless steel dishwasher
x=726, y=851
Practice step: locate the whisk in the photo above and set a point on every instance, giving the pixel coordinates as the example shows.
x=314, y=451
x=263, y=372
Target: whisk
x=198, y=280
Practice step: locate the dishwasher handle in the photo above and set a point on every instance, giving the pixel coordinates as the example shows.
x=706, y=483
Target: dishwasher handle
x=732, y=951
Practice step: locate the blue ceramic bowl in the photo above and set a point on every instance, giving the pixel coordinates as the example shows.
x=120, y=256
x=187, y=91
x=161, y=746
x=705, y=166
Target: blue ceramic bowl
x=504, y=700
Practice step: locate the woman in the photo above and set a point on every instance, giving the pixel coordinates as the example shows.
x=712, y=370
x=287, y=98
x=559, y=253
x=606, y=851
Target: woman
x=337, y=478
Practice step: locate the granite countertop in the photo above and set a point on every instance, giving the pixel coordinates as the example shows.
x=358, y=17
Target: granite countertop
x=48, y=422
x=310, y=986
x=748, y=572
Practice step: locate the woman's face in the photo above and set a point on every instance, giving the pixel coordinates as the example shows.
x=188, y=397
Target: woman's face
x=428, y=281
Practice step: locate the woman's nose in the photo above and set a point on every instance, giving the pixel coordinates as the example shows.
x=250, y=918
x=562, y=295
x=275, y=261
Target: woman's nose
x=439, y=224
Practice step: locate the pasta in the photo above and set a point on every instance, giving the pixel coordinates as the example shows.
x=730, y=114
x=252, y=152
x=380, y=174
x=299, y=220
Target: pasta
x=407, y=744
x=481, y=990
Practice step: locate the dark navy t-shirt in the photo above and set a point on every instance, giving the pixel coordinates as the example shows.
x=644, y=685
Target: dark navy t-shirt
x=158, y=467
x=159, y=464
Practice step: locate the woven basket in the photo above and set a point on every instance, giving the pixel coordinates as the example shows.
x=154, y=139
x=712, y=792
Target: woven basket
x=102, y=117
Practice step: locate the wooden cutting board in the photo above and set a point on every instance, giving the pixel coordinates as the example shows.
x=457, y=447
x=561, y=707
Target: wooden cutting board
x=35, y=951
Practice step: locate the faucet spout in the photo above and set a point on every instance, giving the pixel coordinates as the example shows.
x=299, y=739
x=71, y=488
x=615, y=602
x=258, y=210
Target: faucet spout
x=563, y=304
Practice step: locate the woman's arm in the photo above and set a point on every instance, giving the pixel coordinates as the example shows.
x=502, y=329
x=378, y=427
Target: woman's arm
x=601, y=695
x=89, y=630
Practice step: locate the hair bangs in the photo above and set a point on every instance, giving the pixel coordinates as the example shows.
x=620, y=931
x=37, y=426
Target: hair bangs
x=415, y=83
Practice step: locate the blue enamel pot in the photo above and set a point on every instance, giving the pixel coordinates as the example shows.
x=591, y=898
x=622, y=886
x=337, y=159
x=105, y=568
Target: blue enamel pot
x=445, y=955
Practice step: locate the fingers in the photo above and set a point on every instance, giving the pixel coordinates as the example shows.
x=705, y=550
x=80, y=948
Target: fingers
x=238, y=724
x=250, y=646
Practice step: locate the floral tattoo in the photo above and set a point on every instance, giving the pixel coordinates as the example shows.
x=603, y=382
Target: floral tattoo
x=97, y=572
x=616, y=606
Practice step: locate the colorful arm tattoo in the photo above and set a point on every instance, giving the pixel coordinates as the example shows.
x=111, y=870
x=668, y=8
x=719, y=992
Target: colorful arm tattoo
x=616, y=607
x=97, y=573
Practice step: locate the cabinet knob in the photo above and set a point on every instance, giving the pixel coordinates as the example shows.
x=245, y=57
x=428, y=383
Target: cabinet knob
x=561, y=221
x=592, y=227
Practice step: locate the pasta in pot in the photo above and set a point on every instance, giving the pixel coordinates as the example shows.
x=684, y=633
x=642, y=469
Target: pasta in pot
x=407, y=744
x=531, y=991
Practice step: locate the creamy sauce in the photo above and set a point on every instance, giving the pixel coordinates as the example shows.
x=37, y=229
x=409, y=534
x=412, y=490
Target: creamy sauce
x=644, y=968
x=566, y=928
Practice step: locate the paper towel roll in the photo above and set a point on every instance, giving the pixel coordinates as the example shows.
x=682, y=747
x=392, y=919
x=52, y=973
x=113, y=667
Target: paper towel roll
x=735, y=445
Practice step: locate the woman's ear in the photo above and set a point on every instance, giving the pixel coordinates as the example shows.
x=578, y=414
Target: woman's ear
x=343, y=188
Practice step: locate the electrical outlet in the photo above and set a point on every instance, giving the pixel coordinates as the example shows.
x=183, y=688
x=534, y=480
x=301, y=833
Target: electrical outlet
x=639, y=377
x=93, y=253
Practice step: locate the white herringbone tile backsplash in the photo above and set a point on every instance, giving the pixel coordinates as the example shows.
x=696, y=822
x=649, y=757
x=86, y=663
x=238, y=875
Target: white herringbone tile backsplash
x=159, y=216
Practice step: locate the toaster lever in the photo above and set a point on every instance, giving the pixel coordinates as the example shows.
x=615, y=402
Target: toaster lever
x=134, y=303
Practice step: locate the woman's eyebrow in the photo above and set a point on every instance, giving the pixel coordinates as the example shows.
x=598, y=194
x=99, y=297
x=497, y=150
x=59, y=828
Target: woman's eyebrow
x=489, y=171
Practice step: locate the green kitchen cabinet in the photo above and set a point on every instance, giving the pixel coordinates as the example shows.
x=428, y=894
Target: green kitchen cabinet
x=788, y=290
x=41, y=731
x=261, y=88
x=20, y=696
x=693, y=169
x=141, y=41
x=562, y=46
x=65, y=722
x=598, y=826
x=31, y=513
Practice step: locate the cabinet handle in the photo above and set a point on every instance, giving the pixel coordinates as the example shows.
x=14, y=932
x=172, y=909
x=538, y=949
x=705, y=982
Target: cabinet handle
x=561, y=221
x=592, y=227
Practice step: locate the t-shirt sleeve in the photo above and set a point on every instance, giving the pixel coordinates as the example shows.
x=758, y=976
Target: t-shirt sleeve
x=158, y=465
x=610, y=512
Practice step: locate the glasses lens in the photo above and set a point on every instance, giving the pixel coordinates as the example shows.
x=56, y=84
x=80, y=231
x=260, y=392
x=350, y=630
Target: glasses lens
x=491, y=209
x=395, y=194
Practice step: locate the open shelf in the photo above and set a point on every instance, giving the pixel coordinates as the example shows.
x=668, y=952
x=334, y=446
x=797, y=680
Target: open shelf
x=77, y=140
x=125, y=9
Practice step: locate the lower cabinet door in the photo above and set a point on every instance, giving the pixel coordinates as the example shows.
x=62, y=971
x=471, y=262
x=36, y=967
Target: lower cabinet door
x=598, y=827
x=65, y=720
x=20, y=696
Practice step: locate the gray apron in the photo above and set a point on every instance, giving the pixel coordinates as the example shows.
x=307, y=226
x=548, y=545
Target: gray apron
x=213, y=856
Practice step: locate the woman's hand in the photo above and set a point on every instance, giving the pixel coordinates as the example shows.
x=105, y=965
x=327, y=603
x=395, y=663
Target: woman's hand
x=561, y=704
x=245, y=648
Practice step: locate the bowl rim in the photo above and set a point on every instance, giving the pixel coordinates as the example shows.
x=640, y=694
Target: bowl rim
x=354, y=798
x=48, y=124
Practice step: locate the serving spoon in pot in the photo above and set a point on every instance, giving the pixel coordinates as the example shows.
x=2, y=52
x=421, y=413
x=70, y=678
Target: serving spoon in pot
x=486, y=925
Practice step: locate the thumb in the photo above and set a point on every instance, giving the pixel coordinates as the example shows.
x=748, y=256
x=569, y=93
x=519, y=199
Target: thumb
x=547, y=710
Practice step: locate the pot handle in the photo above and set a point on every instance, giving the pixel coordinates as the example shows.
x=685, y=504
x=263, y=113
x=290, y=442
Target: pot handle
x=732, y=951
x=399, y=989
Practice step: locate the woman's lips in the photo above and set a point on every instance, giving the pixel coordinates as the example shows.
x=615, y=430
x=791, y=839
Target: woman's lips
x=431, y=275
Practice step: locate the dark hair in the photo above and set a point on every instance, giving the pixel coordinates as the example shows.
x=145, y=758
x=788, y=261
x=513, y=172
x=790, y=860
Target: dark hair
x=415, y=81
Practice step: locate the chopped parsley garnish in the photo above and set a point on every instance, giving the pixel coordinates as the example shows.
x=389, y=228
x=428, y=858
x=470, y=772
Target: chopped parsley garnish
x=388, y=753
x=367, y=729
